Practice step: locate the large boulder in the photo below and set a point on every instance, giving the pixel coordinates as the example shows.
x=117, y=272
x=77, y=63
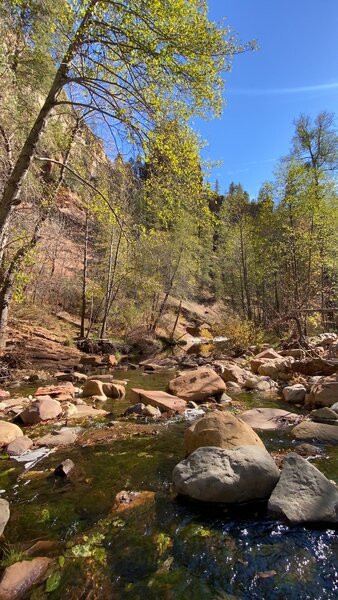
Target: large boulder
x=303, y=494
x=324, y=393
x=197, y=385
x=295, y=394
x=8, y=433
x=313, y=366
x=221, y=429
x=4, y=514
x=269, y=418
x=21, y=576
x=219, y=475
x=316, y=432
x=43, y=409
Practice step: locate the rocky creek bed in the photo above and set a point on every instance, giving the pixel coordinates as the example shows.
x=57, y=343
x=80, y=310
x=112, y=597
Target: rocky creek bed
x=157, y=544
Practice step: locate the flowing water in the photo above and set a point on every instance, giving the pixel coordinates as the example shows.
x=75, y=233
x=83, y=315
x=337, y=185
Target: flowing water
x=167, y=548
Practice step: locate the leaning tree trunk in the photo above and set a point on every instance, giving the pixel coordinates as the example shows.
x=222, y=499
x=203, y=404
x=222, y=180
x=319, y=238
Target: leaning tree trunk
x=12, y=192
x=8, y=282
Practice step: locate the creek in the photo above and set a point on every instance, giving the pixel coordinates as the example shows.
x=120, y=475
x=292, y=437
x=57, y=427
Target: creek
x=167, y=548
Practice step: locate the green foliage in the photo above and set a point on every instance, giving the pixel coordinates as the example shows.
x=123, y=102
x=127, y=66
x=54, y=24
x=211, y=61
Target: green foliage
x=53, y=581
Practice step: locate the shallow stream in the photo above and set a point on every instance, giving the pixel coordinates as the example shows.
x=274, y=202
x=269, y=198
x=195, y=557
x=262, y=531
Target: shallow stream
x=166, y=548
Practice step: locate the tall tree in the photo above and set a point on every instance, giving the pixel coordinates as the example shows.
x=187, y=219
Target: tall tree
x=131, y=62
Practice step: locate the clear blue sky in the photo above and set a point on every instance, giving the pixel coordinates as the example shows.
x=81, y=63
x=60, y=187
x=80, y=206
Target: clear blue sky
x=266, y=90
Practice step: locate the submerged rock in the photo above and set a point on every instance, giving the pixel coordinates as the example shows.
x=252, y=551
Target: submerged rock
x=303, y=493
x=20, y=577
x=126, y=500
x=4, y=515
x=8, y=433
x=197, y=385
x=221, y=429
x=85, y=411
x=212, y=474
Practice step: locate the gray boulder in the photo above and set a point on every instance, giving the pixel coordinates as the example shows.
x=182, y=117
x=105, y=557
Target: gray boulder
x=303, y=494
x=213, y=474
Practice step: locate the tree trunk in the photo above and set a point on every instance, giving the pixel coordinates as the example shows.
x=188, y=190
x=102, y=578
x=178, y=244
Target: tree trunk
x=111, y=297
x=84, y=277
x=12, y=191
x=245, y=277
x=7, y=285
x=167, y=294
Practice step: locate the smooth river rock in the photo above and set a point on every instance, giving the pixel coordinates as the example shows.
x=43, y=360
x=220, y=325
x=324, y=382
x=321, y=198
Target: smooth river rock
x=19, y=446
x=8, y=433
x=269, y=418
x=220, y=429
x=43, y=409
x=303, y=494
x=197, y=385
x=21, y=576
x=93, y=387
x=317, y=432
x=217, y=475
x=161, y=400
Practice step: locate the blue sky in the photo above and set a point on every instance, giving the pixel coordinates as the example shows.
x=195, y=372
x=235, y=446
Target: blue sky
x=295, y=71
